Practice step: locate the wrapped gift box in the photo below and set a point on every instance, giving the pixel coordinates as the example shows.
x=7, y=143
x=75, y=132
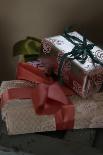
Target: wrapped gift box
x=34, y=71
x=15, y=84
x=23, y=112
x=82, y=78
x=18, y=112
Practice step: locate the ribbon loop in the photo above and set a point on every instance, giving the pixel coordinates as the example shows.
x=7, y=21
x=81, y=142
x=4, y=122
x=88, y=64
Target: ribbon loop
x=80, y=52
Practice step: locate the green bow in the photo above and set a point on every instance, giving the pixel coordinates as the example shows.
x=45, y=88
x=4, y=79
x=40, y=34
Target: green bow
x=80, y=52
x=30, y=48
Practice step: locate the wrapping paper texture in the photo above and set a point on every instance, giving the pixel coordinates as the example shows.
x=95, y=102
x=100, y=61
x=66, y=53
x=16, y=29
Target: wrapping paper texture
x=5, y=85
x=82, y=78
x=20, y=117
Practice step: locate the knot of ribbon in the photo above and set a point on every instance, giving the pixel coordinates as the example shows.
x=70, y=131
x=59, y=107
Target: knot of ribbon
x=81, y=51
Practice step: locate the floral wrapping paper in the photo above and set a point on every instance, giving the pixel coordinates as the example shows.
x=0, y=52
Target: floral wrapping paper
x=20, y=116
x=82, y=78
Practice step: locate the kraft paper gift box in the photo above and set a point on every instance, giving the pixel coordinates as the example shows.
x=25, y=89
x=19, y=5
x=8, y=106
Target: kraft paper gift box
x=37, y=109
x=82, y=77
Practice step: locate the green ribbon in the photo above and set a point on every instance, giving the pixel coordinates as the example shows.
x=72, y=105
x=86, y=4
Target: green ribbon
x=80, y=52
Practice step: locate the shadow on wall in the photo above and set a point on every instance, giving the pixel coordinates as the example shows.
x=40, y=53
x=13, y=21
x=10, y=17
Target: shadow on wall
x=21, y=18
x=6, y=64
x=93, y=29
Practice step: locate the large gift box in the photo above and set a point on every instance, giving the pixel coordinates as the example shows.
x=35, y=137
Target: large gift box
x=28, y=108
x=77, y=61
x=17, y=109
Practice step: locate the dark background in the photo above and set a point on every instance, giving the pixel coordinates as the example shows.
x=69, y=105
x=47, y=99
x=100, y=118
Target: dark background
x=42, y=18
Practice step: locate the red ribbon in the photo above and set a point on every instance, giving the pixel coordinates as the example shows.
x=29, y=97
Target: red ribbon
x=26, y=71
x=48, y=97
x=51, y=99
x=16, y=93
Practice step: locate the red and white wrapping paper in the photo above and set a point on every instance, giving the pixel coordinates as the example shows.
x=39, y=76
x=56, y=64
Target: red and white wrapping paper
x=82, y=78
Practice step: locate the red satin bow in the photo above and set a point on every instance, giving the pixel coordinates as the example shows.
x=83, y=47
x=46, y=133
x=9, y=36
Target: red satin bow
x=51, y=99
x=48, y=97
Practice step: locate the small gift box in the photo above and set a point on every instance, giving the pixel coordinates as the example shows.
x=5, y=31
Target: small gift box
x=48, y=108
x=77, y=61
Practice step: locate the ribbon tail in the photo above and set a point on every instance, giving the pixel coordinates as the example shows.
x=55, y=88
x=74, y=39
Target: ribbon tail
x=61, y=66
x=65, y=117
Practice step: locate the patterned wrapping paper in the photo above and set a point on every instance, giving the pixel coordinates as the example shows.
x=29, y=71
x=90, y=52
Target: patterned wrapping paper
x=20, y=117
x=82, y=78
x=14, y=84
x=5, y=85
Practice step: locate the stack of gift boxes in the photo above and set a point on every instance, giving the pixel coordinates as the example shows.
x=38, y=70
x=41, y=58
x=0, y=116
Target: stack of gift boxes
x=60, y=90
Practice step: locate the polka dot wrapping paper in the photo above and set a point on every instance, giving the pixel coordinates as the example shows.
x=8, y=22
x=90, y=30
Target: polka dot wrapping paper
x=20, y=116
